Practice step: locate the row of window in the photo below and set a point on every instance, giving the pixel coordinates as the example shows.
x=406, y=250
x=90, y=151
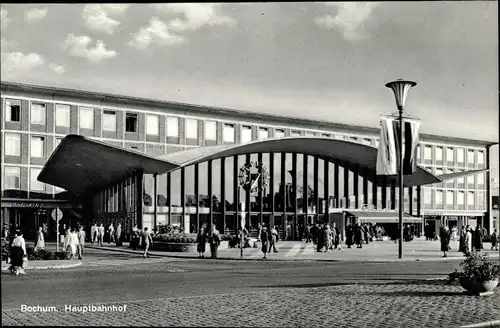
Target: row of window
x=452, y=155
x=450, y=197
x=461, y=180
x=86, y=120
x=12, y=145
x=12, y=179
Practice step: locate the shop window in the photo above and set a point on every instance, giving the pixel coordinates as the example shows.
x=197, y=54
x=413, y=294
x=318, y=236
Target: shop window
x=131, y=122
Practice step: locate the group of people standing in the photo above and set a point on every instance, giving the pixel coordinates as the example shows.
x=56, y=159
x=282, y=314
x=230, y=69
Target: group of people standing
x=73, y=241
x=358, y=234
x=98, y=233
x=212, y=237
x=469, y=239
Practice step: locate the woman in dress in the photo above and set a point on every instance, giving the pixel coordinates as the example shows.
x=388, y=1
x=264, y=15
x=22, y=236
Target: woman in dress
x=201, y=239
x=468, y=240
x=40, y=240
x=445, y=240
x=17, y=252
x=461, y=242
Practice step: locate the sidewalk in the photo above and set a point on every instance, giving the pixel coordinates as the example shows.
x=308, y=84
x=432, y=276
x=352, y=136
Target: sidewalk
x=382, y=251
x=45, y=265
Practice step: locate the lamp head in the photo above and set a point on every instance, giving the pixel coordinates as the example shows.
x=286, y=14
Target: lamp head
x=400, y=88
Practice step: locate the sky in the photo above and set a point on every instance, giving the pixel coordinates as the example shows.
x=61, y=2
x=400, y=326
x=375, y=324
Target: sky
x=324, y=61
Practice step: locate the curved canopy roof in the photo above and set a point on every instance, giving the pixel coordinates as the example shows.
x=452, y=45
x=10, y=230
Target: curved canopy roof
x=80, y=164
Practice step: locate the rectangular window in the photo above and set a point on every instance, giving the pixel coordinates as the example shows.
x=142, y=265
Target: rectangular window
x=439, y=154
x=211, y=130
x=377, y=142
x=109, y=120
x=37, y=146
x=131, y=122
x=310, y=134
x=191, y=128
x=34, y=183
x=353, y=139
x=470, y=180
x=172, y=127
x=12, y=177
x=439, y=197
x=367, y=141
x=470, y=198
x=480, y=157
x=263, y=134
x=326, y=135
x=470, y=157
x=13, y=113
x=480, y=179
x=295, y=133
x=38, y=113
x=152, y=125
x=62, y=115
x=450, y=155
x=439, y=172
x=449, y=198
x=86, y=117
x=427, y=196
x=246, y=134
x=428, y=153
x=461, y=198
x=12, y=144
x=278, y=133
x=461, y=155
x=228, y=133
x=480, y=198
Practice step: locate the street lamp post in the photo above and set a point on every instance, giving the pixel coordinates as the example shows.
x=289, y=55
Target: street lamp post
x=400, y=89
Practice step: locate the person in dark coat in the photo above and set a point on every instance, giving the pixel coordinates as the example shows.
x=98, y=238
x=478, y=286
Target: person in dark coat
x=314, y=233
x=308, y=233
x=445, y=236
x=358, y=236
x=320, y=241
x=264, y=237
x=461, y=242
x=214, y=241
x=478, y=240
x=349, y=235
x=337, y=237
x=201, y=239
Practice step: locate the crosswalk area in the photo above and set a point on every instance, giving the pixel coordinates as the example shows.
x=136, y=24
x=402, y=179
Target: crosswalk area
x=286, y=251
x=125, y=261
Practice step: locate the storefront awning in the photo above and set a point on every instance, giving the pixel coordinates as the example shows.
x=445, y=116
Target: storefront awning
x=382, y=217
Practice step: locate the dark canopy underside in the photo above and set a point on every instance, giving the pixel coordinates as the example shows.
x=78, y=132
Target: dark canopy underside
x=80, y=165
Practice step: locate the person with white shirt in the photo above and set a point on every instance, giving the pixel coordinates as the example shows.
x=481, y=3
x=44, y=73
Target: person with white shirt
x=93, y=232
x=100, y=234
x=17, y=252
x=468, y=240
x=146, y=241
x=111, y=233
x=72, y=243
x=81, y=242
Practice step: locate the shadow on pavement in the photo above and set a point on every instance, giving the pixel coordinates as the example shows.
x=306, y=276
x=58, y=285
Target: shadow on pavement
x=419, y=293
x=313, y=285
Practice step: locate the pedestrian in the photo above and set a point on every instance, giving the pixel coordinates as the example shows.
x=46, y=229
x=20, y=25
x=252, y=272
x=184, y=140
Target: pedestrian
x=461, y=241
x=72, y=243
x=444, y=236
x=81, y=242
x=365, y=233
x=494, y=240
x=100, y=234
x=119, y=234
x=147, y=240
x=468, y=240
x=66, y=239
x=214, y=241
x=454, y=233
x=321, y=239
x=17, y=253
x=259, y=231
x=327, y=235
x=314, y=233
x=264, y=235
x=308, y=233
x=40, y=240
x=358, y=236
x=273, y=240
x=62, y=234
x=111, y=233
x=478, y=240
x=201, y=239
x=134, y=238
x=349, y=235
x=338, y=244
x=5, y=232
x=92, y=233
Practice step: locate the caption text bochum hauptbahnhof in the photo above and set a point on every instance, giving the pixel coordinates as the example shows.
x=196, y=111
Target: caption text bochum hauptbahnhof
x=74, y=308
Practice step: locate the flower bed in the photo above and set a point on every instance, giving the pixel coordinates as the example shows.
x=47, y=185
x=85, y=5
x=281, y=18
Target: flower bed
x=479, y=274
x=181, y=242
x=34, y=255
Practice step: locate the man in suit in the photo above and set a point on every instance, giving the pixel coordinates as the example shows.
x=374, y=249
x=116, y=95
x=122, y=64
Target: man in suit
x=81, y=242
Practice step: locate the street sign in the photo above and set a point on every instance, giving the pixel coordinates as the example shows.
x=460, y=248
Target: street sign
x=57, y=214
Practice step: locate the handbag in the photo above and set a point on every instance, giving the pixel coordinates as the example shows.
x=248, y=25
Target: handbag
x=25, y=262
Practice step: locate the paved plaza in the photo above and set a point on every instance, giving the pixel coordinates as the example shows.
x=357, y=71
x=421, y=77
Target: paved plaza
x=407, y=304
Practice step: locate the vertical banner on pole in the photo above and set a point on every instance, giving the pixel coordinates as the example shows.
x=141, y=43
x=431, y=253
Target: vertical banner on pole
x=388, y=149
